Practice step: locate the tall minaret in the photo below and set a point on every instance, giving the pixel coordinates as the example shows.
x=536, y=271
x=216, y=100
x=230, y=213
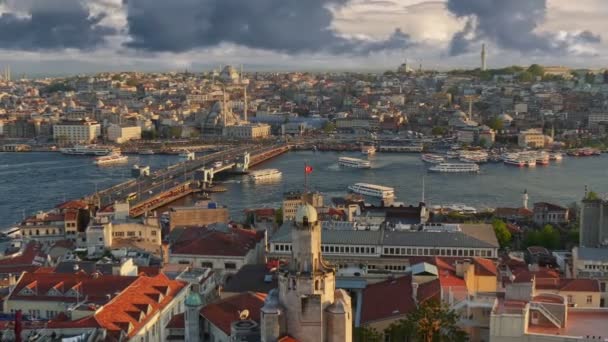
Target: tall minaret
x=193, y=304
x=483, y=57
x=245, y=106
x=524, y=197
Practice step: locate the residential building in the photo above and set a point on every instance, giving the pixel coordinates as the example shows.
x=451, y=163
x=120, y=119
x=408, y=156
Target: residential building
x=219, y=246
x=76, y=132
x=219, y=319
x=120, y=134
x=592, y=263
x=547, y=213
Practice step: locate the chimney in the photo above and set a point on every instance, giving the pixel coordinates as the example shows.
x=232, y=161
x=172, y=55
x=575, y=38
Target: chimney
x=415, y=292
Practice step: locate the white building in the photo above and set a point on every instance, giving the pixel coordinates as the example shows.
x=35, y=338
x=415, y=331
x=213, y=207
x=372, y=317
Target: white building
x=120, y=134
x=248, y=131
x=76, y=132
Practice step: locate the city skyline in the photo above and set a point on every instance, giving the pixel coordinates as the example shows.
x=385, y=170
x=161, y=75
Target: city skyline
x=73, y=36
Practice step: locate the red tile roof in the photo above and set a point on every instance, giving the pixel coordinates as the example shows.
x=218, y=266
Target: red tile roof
x=429, y=290
x=573, y=285
x=71, y=215
x=287, y=339
x=202, y=241
x=392, y=297
x=73, y=204
x=177, y=322
x=138, y=303
x=224, y=312
x=99, y=289
x=149, y=270
x=48, y=217
x=30, y=255
x=485, y=267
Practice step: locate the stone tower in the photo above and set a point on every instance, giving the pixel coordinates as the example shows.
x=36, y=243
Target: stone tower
x=193, y=304
x=307, y=305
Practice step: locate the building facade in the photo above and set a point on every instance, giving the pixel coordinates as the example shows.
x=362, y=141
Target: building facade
x=76, y=132
x=120, y=134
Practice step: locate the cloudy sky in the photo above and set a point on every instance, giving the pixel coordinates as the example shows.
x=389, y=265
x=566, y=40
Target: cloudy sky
x=73, y=36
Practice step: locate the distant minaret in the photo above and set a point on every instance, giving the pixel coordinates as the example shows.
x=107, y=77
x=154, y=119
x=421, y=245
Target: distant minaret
x=525, y=199
x=8, y=73
x=483, y=57
x=245, y=106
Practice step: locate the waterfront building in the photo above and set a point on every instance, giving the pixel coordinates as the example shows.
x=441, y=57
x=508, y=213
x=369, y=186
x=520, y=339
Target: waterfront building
x=247, y=131
x=533, y=138
x=120, y=134
x=103, y=307
x=307, y=306
x=218, y=246
x=547, y=213
x=76, y=132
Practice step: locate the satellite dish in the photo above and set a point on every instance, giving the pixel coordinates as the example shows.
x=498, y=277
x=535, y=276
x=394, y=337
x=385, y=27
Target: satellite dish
x=243, y=315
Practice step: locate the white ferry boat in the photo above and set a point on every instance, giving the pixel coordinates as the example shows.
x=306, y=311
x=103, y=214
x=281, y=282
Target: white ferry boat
x=514, y=161
x=266, y=174
x=354, y=162
x=186, y=156
x=368, y=150
x=452, y=154
x=87, y=150
x=432, y=158
x=455, y=168
x=474, y=156
x=114, y=158
x=372, y=190
x=146, y=152
x=542, y=158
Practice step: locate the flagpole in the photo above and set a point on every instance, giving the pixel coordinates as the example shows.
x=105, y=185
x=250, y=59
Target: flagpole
x=305, y=178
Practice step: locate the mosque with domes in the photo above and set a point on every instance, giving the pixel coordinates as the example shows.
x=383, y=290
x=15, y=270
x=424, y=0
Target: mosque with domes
x=307, y=306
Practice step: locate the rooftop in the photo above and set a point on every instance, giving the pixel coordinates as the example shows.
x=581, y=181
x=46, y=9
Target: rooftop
x=222, y=313
x=580, y=323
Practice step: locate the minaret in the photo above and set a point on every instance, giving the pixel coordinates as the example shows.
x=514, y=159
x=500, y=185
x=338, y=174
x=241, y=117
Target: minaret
x=245, y=106
x=483, y=57
x=524, y=197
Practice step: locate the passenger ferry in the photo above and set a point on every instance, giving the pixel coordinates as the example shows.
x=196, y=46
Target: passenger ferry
x=266, y=174
x=354, y=162
x=514, y=161
x=542, y=158
x=87, y=150
x=432, y=158
x=114, y=158
x=186, y=156
x=455, y=168
x=368, y=150
x=372, y=190
x=453, y=154
x=474, y=156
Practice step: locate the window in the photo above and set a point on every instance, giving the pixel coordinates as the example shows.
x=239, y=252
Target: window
x=153, y=233
x=570, y=300
x=589, y=299
x=230, y=266
x=130, y=233
x=206, y=264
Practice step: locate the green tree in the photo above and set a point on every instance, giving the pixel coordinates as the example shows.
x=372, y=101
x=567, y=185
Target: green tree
x=278, y=216
x=503, y=235
x=536, y=70
x=132, y=82
x=438, y=130
x=526, y=76
x=367, y=334
x=591, y=196
x=329, y=127
x=432, y=321
x=549, y=237
x=495, y=123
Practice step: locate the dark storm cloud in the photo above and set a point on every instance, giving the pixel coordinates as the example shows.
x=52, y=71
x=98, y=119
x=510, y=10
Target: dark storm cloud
x=510, y=24
x=52, y=25
x=288, y=26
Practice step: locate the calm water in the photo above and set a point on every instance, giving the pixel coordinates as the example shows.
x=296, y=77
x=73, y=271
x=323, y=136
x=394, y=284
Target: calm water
x=36, y=181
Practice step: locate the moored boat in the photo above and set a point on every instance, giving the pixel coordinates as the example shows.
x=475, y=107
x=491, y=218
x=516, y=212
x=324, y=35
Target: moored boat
x=372, y=190
x=455, y=168
x=114, y=158
x=266, y=174
x=432, y=158
x=354, y=162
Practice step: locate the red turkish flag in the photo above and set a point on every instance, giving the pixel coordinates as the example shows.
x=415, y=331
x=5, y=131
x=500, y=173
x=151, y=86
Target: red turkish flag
x=308, y=169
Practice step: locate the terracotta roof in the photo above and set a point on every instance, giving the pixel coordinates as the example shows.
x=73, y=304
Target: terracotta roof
x=429, y=290
x=572, y=285
x=149, y=270
x=202, y=241
x=287, y=339
x=485, y=267
x=30, y=255
x=177, y=322
x=97, y=288
x=48, y=217
x=512, y=212
x=224, y=312
x=140, y=301
x=548, y=206
x=392, y=297
x=71, y=215
x=73, y=204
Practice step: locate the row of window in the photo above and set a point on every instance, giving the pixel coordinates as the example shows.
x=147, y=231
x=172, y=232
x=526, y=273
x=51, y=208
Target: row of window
x=405, y=251
x=438, y=251
x=46, y=232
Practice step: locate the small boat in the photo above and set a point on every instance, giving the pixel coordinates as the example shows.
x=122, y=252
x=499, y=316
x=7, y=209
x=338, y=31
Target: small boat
x=354, y=162
x=455, y=168
x=266, y=174
x=453, y=154
x=146, y=152
x=368, y=150
x=432, y=158
x=217, y=164
x=114, y=158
